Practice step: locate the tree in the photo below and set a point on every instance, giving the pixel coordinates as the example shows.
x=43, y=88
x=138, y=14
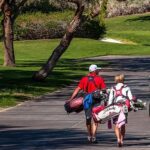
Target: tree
x=10, y=10
x=66, y=39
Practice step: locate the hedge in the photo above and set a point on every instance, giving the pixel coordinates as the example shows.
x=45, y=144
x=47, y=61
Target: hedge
x=53, y=25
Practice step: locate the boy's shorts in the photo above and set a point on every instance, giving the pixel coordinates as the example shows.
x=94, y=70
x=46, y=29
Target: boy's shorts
x=115, y=119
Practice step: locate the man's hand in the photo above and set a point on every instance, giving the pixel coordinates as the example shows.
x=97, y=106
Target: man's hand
x=67, y=101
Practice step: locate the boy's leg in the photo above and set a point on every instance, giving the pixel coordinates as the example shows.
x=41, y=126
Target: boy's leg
x=94, y=130
x=118, y=135
x=123, y=130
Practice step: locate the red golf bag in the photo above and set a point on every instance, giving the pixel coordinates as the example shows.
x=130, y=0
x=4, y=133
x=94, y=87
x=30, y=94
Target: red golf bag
x=75, y=105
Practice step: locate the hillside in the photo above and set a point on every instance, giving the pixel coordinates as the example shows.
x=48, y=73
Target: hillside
x=134, y=28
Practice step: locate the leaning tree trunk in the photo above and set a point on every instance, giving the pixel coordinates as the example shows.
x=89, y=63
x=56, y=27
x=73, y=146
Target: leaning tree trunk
x=64, y=43
x=1, y=3
x=7, y=24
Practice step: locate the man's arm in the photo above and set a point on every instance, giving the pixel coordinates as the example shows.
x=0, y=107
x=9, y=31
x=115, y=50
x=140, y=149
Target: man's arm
x=76, y=91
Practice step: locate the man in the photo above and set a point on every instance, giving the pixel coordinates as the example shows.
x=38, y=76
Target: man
x=88, y=84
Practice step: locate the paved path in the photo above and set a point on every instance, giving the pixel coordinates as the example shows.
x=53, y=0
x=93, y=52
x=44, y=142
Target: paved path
x=44, y=125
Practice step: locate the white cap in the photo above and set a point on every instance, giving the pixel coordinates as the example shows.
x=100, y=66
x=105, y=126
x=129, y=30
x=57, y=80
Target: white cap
x=93, y=68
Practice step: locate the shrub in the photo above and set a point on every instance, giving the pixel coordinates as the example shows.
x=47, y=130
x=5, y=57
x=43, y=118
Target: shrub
x=53, y=25
x=127, y=7
x=90, y=29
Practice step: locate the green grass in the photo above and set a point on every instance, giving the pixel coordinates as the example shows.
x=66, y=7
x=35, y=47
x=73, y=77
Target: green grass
x=134, y=28
x=16, y=84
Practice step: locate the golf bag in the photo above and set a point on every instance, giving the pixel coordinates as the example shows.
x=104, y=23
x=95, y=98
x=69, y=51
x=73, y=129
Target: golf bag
x=75, y=105
x=102, y=114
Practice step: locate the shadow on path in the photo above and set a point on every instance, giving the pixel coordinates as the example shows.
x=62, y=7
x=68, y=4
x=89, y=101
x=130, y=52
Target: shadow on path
x=127, y=64
x=61, y=139
x=59, y=133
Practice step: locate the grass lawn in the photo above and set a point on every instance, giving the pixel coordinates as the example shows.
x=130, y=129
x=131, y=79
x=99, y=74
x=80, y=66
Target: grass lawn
x=16, y=84
x=135, y=28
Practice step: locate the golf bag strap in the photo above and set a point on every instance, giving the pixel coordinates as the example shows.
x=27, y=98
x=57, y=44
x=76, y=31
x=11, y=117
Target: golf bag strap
x=119, y=92
x=90, y=79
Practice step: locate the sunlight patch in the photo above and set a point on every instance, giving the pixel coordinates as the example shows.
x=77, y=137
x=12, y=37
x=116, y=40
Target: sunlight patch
x=110, y=40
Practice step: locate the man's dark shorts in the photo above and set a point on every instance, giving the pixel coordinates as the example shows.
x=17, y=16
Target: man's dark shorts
x=88, y=115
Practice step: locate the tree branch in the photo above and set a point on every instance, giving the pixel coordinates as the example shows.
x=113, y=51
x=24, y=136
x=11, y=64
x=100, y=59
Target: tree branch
x=77, y=2
x=1, y=3
x=64, y=43
x=95, y=10
x=22, y=2
x=18, y=7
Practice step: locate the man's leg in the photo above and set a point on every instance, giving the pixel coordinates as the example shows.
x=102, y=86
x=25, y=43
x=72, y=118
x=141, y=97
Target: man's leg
x=94, y=128
x=88, y=123
x=89, y=126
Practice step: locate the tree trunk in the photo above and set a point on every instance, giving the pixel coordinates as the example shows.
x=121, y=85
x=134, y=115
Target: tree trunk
x=64, y=43
x=1, y=3
x=7, y=24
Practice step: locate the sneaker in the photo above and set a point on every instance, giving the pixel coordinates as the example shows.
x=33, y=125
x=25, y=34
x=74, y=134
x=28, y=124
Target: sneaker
x=89, y=138
x=119, y=144
x=93, y=140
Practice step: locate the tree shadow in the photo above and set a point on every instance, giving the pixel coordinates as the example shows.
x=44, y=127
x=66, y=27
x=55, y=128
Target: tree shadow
x=137, y=140
x=146, y=44
x=62, y=139
x=141, y=18
x=129, y=64
x=19, y=79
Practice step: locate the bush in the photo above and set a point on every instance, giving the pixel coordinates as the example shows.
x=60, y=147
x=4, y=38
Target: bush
x=53, y=25
x=127, y=7
x=90, y=29
x=38, y=31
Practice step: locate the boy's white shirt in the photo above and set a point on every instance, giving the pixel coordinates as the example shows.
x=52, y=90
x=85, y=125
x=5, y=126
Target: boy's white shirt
x=125, y=91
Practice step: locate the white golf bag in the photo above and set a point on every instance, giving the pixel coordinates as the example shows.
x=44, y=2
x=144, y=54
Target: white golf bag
x=102, y=114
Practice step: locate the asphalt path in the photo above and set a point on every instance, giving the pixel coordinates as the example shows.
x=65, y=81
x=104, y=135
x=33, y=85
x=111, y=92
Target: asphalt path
x=43, y=124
